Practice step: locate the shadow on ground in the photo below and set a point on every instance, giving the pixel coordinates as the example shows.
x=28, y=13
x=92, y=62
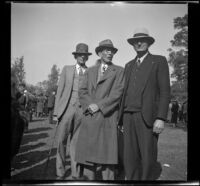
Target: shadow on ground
x=30, y=147
x=33, y=137
x=44, y=171
x=41, y=129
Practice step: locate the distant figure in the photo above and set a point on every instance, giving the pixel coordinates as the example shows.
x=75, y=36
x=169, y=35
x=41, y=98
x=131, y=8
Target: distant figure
x=50, y=104
x=17, y=121
x=180, y=112
x=185, y=117
x=45, y=109
x=40, y=105
x=22, y=99
x=174, y=110
x=169, y=114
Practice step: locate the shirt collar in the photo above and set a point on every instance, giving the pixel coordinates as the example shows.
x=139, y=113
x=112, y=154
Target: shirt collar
x=78, y=68
x=142, y=58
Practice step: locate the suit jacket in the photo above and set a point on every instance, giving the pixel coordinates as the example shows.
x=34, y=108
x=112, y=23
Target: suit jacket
x=64, y=90
x=98, y=133
x=155, y=84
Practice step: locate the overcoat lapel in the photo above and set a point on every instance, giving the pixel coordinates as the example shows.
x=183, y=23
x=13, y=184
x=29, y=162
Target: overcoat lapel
x=94, y=75
x=108, y=73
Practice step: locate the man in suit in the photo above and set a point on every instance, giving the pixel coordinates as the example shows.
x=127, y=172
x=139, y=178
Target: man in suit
x=68, y=110
x=99, y=96
x=144, y=106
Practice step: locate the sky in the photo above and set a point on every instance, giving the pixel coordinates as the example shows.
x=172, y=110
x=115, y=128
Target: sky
x=47, y=33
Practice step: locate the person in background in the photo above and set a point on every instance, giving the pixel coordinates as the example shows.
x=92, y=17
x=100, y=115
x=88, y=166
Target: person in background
x=40, y=105
x=144, y=107
x=18, y=122
x=185, y=117
x=50, y=104
x=174, y=110
x=169, y=114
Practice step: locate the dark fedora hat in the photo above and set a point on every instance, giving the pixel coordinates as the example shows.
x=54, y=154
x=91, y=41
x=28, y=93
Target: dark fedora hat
x=105, y=44
x=141, y=33
x=82, y=48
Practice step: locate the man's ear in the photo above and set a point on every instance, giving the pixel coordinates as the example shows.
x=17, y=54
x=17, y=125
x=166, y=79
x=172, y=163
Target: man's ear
x=100, y=54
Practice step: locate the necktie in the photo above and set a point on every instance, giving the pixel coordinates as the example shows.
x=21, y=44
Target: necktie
x=138, y=62
x=80, y=71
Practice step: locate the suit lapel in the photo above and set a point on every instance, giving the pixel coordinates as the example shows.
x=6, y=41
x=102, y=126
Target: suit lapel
x=147, y=65
x=128, y=71
x=70, y=75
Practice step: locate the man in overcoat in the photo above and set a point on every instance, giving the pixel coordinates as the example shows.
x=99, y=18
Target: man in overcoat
x=97, y=145
x=68, y=110
x=144, y=106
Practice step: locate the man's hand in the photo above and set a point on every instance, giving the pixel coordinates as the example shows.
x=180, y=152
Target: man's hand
x=158, y=126
x=93, y=108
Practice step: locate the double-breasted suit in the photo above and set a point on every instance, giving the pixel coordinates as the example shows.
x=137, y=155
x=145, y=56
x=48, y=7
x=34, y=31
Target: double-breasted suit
x=143, y=103
x=68, y=111
x=97, y=141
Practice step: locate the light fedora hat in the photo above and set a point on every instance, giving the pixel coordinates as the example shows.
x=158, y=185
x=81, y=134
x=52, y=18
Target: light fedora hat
x=82, y=48
x=105, y=44
x=141, y=33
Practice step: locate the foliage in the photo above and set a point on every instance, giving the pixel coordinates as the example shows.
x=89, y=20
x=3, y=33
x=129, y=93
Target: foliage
x=52, y=79
x=17, y=68
x=178, y=57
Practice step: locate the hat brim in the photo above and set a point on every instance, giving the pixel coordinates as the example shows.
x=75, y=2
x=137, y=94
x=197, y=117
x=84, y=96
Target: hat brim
x=149, y=39
x=100, y=48
x=74, y=53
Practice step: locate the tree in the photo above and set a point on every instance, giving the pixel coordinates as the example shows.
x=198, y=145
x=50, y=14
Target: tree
x=53, y=79
x=178, y=56
x=18, y=69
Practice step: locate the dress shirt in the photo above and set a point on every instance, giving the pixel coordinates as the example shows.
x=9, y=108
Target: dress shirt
x=78, y=68
x=142, y=58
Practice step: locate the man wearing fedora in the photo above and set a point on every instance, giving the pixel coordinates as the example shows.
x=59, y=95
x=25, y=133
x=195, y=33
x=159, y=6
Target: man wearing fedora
x=97, y=145
x=68, y=110
x=144, y=107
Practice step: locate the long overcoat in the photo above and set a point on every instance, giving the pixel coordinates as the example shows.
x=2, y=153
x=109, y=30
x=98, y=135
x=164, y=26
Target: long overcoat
x=97, y=141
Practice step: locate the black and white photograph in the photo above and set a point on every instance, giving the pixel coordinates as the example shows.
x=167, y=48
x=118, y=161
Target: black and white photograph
x=99, y=91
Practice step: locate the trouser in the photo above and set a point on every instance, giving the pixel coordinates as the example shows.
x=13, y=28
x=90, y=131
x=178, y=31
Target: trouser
x=99, y=171
x=68, y=125
x=140, y=147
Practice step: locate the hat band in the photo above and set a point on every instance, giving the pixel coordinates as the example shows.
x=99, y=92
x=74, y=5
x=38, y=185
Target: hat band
x=141, y=34
x=107, y=45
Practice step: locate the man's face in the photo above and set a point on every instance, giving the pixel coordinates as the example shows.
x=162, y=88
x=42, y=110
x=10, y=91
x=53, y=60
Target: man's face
x=141, y=45
x=81, y=59
x=106, y=55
